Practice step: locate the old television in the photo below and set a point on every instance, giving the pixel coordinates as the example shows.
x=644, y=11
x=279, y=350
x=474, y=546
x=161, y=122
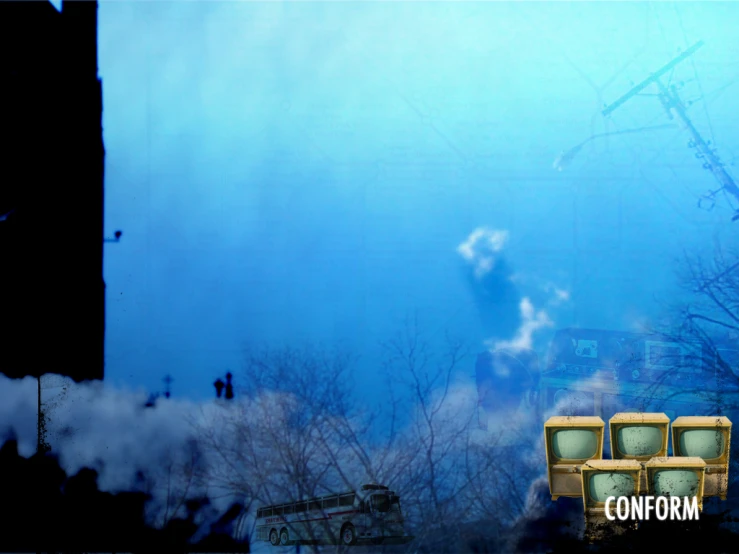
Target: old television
x=708, y=438
x=570, y=441
x=681, y=476
x=604, y=478
x=639, y=436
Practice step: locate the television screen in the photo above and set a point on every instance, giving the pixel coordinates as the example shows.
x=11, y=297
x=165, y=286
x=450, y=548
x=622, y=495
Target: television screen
x=603, y=485
x=703, y=443
x=574, y=444
x=676, y=482
x=640, y=440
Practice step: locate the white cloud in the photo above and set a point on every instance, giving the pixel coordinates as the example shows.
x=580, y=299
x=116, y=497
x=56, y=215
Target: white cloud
x=559, y=295
x=532, y=321
x=562, y=295
x=481, y=248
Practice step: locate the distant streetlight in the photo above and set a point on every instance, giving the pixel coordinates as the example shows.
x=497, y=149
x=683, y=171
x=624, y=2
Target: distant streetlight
x=228, y=386
x=219, y=384
x=117, y=238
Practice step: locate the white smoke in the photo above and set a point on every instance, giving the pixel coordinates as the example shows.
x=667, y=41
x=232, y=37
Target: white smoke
x=481, y=248
x=107, y=429
x=95, y=425
x=531, y=322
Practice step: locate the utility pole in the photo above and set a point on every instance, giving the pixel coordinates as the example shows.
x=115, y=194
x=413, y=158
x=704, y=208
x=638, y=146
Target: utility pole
x=41, y=445
x=675, y=108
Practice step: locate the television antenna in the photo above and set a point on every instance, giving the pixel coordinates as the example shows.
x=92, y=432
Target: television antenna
x=676, y=109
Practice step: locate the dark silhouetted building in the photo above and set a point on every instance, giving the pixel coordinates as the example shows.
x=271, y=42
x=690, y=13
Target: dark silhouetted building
x=52, y=294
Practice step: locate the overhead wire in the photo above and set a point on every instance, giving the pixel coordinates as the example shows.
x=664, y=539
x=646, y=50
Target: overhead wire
x=705, y=100
x=642, y=164
x=620, y=130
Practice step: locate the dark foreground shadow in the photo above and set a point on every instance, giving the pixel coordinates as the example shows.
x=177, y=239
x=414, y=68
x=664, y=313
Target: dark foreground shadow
x=44, y=510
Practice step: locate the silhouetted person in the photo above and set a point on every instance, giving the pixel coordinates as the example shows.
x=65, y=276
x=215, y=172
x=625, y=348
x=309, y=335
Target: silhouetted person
x=219, y=387
x=168, y=381
x=229, y=387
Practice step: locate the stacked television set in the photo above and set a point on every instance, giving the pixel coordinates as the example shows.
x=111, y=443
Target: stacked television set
x=640, y=464
x=602, y=479
x=639, y=437
x=570, y=442
x=709, y=438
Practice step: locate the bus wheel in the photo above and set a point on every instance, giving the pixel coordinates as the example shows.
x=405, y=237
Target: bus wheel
x=284, y=537
x=348, y=535
x=274, y=538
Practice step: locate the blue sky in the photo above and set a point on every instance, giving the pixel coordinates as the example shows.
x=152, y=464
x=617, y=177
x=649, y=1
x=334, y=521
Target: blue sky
x=291, y=172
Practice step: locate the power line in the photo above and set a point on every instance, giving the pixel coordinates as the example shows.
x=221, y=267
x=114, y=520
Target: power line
x=676, y=108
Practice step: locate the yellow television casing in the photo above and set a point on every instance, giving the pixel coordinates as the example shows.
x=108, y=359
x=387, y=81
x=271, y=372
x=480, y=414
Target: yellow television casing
x=592, y=467
x=635, y=419
x=564, y=474
x=630, y=419
x=717, y=469
x=677, y=462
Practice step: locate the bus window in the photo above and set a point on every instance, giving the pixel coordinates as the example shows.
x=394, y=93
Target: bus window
x=347, y=500
x=259, y=513
x=277, y=511
x=266, y=512
x=288, y=509
x=314, y=505
x=301, y=507
x=331, y=503
x=381, y=503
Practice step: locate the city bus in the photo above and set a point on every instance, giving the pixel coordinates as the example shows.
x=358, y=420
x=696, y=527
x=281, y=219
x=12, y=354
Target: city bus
x=371, y=514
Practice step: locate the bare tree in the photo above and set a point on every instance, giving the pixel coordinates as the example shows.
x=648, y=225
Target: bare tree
x=295, y=435
x=706, y=324
x=429, y=481
x=301, y=430
x=458, y=483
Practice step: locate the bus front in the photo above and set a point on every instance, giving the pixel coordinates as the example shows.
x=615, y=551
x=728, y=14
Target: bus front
x=388, y=518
